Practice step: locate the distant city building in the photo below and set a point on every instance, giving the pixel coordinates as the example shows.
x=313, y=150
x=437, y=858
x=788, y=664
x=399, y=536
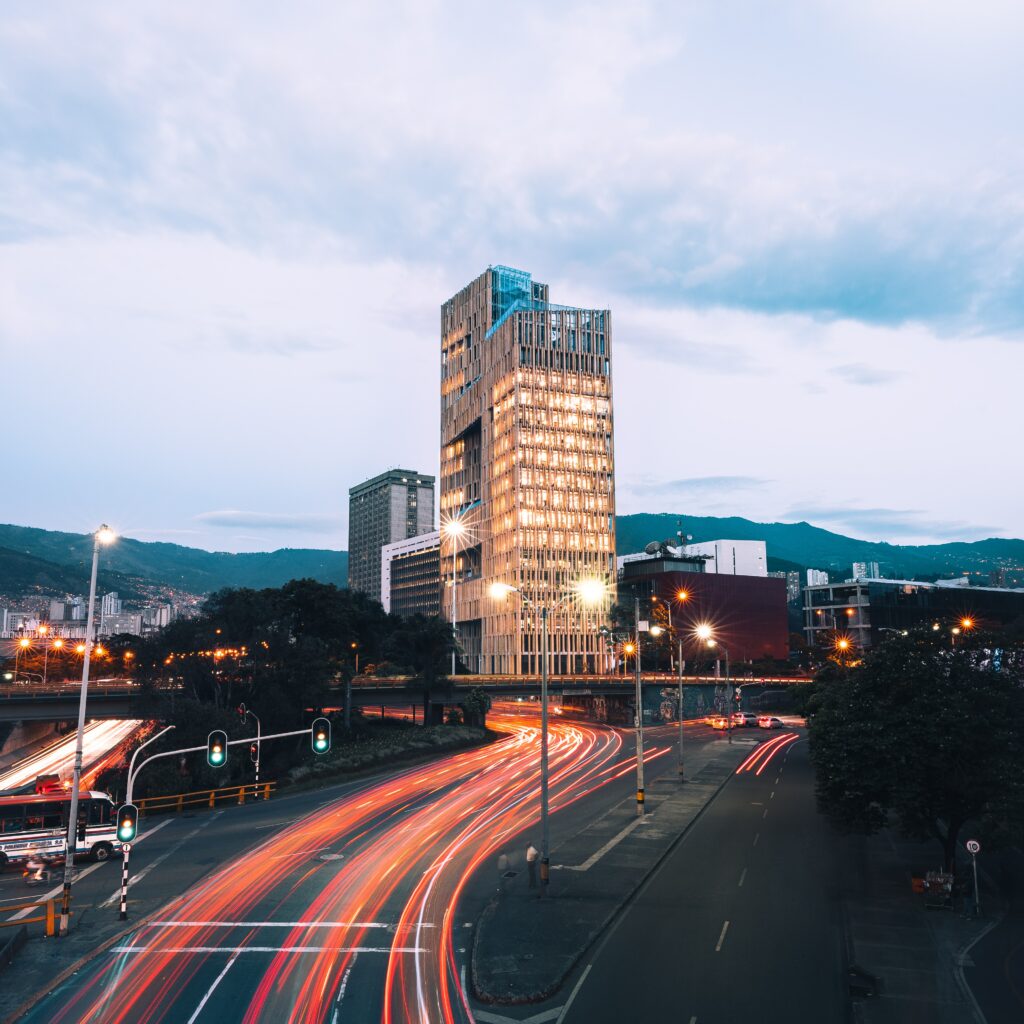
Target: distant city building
x=57, y=611
x=391, y=507
x=793, y=588
x=121, y=622
x=864, y=609
x=157, y=616
x=527, y=464
x=815, y=577
x=110, y=604
x=427, y=549
x=410, y=575
x=748, y=612
x=732, y=557
x=866, y=570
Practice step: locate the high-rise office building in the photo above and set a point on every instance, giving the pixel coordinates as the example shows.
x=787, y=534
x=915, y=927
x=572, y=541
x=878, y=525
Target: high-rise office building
x=865, y=570
x=527, y=466
x=390, y=507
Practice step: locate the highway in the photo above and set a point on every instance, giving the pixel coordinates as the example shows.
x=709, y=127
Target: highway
x=740, y=923
x=99, y=739
x=350, y=909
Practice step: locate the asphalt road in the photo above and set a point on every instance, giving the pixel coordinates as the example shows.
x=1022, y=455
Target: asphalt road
x=354, y=905
x=740, y=923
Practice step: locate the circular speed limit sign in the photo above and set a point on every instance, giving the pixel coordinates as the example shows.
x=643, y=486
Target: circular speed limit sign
x=973, y=846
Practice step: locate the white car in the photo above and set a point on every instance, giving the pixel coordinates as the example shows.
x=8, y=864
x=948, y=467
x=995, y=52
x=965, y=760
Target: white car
x=769, y=722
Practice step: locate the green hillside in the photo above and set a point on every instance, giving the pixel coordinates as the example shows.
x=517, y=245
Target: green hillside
x=67, y=557
x=807, y=545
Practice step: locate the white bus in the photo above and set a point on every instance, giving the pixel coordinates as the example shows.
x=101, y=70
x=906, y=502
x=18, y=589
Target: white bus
x=38, y=825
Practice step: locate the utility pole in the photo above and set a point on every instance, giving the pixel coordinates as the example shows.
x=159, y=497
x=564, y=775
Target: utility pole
x=639, y=714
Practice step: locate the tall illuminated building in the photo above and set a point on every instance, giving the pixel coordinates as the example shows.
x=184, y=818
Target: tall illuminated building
x=527, y=466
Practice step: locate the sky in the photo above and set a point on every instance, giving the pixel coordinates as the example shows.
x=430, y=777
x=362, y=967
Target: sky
x=226, y=231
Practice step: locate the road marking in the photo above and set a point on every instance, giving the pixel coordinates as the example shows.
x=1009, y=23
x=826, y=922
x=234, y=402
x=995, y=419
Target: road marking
x=771, y=796
x=486, y=1017
x=757, y=803
x=276, y=924
x=116, y=894
x=721, y=938
x=210, y=990
x=742, y=877
x=693, y=1019
x=611, y=844
x=574, y=993
x=758, y=836
x=267, y=949
x=765, y=815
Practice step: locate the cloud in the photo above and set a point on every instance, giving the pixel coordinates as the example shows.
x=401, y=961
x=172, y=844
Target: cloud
x=864, y=375
x=893, y=524
x=697, y=486
x=310, y=522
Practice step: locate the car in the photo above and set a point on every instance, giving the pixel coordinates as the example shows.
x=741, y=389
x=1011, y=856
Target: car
x=742, y=719
x=769, y=722
x=720, y=722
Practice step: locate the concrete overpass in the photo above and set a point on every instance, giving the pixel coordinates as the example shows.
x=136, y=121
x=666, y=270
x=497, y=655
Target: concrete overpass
x=112, y=698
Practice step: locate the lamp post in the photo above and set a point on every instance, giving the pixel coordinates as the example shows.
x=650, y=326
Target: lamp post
x=680, y=596
x=454, y=529
x=104, y=535
x=23, y=645
x=707, y=634
x=639, y=700
x=590, y=592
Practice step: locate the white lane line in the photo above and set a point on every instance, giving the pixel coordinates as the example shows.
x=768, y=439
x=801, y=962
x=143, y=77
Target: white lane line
x=693, y=1019
x=771, y=796
x=611, y=844
x=486, y=1017
x=275, y=924
x=765, y=815
x=210, y=990
x=53, y=893
x=341, y=990
x=758, y=836
x=116, y=894
x=573, y=994
x=721, y=938
x=743, y=877
x=267, y=949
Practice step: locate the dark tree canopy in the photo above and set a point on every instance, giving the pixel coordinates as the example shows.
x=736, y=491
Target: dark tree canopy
x=924, y=733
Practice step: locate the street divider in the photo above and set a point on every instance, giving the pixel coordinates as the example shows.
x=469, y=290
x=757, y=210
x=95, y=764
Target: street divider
x=178, y=802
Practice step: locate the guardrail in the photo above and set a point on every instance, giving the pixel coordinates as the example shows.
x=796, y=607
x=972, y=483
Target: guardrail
x=49, y=916
x=178, y=802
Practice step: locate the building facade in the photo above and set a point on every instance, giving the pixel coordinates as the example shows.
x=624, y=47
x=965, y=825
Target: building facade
x=747, y=613
x=863, y=610
x=391, y=507
x=410, y=575
x=732, y=557
x=860, y=570
x=527, y=469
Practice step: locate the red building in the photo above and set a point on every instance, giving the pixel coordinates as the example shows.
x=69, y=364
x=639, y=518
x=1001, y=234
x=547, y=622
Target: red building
x=747, y=613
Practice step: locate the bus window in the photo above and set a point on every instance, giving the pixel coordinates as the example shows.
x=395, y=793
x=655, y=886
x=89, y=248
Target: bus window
x=12, y=818
x=33, y=820
x=100, y=812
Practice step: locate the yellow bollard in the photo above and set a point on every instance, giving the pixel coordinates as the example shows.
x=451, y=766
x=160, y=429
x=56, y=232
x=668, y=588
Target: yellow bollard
x=241, y=795
x=213, y=797
x=51, y=929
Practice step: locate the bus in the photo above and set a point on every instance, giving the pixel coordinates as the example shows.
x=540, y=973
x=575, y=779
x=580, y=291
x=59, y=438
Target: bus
x=37, y=825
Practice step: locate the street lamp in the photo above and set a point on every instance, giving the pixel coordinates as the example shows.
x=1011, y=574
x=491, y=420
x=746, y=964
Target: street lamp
x=590, y=592
x=454, y=529
x=23, y=645
x=104, y=535
x=707, y=634
x=681, y=596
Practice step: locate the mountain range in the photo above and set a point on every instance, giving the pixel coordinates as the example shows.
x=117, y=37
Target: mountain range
x=39, y=562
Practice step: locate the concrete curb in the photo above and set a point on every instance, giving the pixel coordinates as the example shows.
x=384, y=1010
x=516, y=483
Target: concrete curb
x=575, y=957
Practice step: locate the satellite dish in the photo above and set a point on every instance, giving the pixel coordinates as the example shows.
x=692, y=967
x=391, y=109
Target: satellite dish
x=653, y=548
x=670, y=543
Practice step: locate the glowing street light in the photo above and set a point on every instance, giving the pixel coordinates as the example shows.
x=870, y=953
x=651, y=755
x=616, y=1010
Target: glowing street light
x=705, y=632
x=454, y=529
x=589, y=592
x=103, y=536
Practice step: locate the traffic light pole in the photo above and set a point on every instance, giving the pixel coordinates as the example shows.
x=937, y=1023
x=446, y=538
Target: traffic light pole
x=133, y=772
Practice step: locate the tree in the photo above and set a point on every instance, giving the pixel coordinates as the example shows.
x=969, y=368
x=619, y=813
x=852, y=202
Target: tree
x=423, y=645
x=929, y=735
x=476, y=705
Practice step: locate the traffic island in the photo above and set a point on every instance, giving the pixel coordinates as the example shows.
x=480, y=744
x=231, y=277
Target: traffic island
x=525, y=947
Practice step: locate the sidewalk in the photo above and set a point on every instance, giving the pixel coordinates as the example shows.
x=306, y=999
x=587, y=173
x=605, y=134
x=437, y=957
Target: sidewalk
x=913, y=951
x=592, y=875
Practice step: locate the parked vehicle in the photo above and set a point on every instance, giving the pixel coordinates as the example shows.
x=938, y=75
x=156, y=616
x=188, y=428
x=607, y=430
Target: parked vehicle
x=720, y=722
x=769, y=722
x=744, y=719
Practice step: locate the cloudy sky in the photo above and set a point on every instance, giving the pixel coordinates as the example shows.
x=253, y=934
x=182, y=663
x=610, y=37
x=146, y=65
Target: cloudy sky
x=227, y=228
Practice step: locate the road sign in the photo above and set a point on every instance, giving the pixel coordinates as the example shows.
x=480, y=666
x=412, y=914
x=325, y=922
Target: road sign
x=973, y=846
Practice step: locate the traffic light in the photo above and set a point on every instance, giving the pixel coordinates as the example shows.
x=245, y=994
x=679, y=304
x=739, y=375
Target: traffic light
x=127, y=823
x=254, y=752
x=320, y=736
x=217, y=748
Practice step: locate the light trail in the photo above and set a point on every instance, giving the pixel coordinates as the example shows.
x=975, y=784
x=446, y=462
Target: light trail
x=409, y=845
x=100, y=741
x=765, y=752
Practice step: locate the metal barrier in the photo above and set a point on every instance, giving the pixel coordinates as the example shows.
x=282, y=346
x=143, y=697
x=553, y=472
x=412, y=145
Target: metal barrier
x=177, y=802
x=49, y=916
